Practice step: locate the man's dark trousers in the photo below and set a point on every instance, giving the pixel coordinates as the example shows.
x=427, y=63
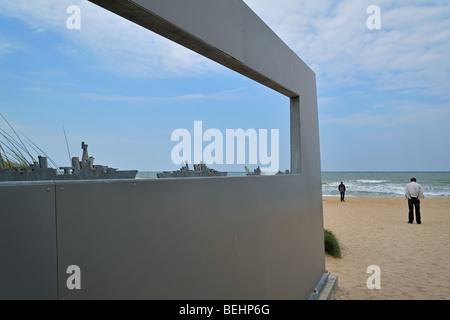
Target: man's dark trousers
x=414, y=203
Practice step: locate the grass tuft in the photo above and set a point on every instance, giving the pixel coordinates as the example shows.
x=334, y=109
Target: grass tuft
x=332, y=246
x=13, y=164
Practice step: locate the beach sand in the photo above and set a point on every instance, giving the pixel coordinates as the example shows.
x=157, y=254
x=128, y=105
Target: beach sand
x=414, y=260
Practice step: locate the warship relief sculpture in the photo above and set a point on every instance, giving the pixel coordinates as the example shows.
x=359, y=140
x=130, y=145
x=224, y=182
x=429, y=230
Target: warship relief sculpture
x=200, y=170
x=80, y=170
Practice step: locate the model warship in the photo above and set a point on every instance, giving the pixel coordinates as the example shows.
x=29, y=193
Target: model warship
x=256, y=172
x=200, y=170
x=80, y=170
x=280, y=173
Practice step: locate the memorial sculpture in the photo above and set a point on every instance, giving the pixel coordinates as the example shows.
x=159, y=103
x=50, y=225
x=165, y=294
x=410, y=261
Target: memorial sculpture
x=80, y=170
x=194, y=239
x=256, y=172
x=200, y=170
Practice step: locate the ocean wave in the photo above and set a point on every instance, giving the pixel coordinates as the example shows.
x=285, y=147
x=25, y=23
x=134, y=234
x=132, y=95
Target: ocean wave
x=385, y=184
x=371, y=181
x=382, y=190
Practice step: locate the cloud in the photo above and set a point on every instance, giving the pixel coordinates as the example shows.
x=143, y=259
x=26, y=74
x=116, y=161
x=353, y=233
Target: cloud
x=406, y=115
x=325, y=101
x=410, y=50
x=5, y=48
x=132, y=51
x=8, y=46
x=117, y=45
x=220, y=95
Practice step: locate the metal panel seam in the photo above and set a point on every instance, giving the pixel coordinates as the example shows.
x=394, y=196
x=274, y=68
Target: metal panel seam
x=56, y=241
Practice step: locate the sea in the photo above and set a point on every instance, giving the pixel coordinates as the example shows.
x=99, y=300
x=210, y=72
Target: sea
x=385, y=184
x=370, y=184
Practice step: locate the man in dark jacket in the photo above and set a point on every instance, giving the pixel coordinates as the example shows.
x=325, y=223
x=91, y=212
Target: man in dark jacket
x=342, y=191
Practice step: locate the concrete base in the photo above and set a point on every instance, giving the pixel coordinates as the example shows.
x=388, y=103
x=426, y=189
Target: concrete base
x=329, y=288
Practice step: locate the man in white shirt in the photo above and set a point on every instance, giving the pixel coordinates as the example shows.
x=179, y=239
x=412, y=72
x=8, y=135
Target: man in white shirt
x=414, y=191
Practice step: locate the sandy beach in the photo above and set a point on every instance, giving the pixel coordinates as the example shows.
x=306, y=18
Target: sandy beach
x=413, y=259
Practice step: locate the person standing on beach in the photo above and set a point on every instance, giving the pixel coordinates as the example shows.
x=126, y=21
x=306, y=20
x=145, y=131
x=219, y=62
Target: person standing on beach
x=413, y=192
x=341, y=189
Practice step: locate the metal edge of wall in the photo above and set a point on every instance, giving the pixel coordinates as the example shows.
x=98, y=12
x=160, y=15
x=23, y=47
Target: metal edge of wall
x=326, y=287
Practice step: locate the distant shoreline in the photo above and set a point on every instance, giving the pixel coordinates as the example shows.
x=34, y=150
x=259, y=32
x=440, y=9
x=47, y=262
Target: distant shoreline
x=436, y=184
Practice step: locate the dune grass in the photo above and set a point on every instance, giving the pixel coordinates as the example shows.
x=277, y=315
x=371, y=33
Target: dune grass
x=332, y=246
x=13, y=164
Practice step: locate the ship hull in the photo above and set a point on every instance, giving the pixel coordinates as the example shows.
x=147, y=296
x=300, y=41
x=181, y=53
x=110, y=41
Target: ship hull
x=25, y=174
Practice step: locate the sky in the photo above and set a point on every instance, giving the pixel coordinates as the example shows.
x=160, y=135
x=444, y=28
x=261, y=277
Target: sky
x=383, y=94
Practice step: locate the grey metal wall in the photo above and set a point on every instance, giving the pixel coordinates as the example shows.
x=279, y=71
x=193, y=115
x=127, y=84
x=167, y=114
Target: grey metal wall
x=210, y=238
x=28, y=249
